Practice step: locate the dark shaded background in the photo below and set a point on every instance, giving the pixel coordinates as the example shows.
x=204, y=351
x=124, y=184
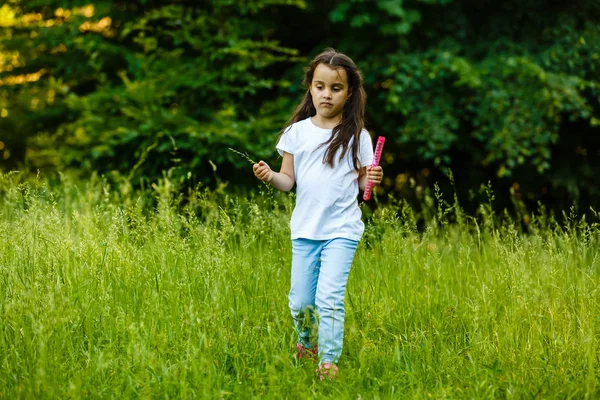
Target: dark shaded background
x=500, y=93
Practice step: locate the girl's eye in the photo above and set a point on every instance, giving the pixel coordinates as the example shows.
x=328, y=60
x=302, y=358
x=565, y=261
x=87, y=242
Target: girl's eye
x=336, y=89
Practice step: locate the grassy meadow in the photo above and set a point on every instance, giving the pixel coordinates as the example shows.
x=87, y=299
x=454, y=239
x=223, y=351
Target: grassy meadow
x=111, y=292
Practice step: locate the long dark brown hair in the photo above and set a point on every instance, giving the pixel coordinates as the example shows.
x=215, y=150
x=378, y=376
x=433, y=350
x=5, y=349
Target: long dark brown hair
x=353, y=114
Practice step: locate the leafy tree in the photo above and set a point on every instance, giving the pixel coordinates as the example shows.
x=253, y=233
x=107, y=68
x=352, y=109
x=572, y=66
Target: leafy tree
x=497, y=91
x=506, y=92
x=141, y=88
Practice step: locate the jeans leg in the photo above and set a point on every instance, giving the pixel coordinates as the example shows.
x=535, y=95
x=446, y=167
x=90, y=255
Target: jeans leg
x=336, y=261
x=305, y=273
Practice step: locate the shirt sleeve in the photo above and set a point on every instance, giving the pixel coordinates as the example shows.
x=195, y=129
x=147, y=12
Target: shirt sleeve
x=365, y=156
x=286, y=142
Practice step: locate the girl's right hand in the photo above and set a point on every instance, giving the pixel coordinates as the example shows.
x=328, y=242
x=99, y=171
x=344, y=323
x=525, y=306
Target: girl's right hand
x=262, y=171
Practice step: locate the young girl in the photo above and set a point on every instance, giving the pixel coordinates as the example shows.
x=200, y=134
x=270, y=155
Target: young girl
x=327, y=153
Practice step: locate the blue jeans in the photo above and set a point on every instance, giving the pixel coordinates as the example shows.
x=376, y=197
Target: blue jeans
x=320, y=271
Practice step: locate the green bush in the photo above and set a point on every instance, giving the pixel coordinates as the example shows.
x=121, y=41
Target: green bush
x=501, y=92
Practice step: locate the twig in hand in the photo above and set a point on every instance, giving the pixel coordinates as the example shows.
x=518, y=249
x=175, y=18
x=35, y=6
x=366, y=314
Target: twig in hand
x=245, y=155
x=251, y=161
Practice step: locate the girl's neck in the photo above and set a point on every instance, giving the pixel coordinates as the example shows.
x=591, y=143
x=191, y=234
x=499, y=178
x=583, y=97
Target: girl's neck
x=325, y=123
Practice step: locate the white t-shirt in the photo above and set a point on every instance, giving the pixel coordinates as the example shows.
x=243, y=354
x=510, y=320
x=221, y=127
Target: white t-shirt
x=326, y=197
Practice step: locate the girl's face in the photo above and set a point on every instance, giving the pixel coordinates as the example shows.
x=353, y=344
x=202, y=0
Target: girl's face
x=329, y=90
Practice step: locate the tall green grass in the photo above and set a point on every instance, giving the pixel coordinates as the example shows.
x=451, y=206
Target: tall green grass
x=109, y=292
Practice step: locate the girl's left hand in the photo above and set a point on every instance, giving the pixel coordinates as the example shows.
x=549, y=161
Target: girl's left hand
x=375, y=174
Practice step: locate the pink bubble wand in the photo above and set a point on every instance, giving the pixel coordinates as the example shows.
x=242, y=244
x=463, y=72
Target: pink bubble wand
x=376, y=158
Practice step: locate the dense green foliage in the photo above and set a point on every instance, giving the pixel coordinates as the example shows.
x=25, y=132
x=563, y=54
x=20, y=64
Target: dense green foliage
x=506, y=92
x=109, y=292
x=150, y=88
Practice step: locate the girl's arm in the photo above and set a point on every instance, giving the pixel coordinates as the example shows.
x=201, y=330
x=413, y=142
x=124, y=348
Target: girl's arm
x=373, y=174
x=282, y=180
